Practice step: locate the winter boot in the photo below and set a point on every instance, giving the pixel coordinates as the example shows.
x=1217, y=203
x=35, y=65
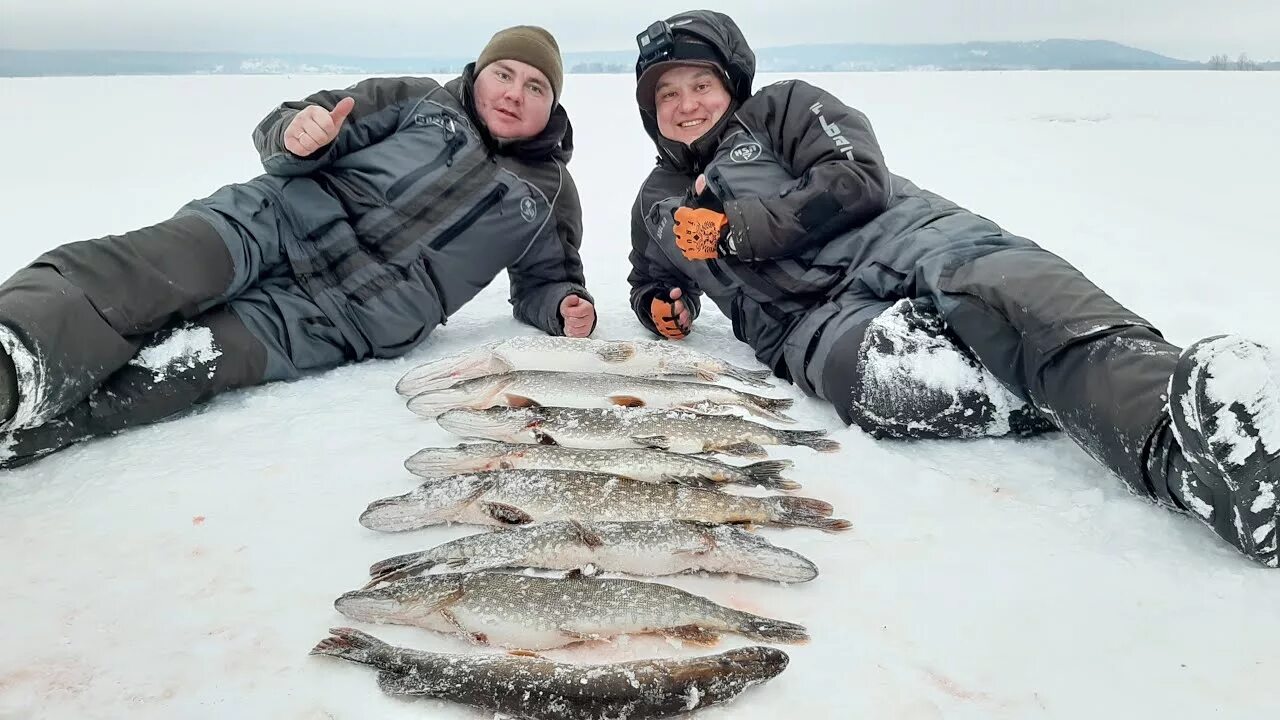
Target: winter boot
x=1224, y=403
x=8, y=388
x=914, y=380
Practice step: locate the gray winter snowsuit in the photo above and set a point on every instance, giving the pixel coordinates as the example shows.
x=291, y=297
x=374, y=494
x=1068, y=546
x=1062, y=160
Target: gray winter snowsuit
x=828, y=239
x=358, y=251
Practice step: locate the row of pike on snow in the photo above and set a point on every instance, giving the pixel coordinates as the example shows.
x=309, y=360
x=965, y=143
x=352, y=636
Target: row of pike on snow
x=598, y=461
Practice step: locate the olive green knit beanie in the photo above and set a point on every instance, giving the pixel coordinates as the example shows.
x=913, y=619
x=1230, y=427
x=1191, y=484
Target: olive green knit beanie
x=528, y=44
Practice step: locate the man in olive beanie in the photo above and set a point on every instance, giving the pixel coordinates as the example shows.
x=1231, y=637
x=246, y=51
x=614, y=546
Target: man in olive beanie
x=528, y=44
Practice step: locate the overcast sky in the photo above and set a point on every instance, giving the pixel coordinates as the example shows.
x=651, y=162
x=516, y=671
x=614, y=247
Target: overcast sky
x=1189, y=29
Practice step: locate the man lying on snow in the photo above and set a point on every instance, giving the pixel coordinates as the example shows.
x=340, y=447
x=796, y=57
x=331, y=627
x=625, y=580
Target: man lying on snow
x=914, y=317
x=385, y=207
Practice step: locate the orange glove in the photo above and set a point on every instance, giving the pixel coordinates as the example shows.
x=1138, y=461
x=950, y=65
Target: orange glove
x=698, y=232
x=666, y=319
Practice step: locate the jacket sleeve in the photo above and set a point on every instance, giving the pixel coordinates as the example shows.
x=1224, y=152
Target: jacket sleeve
x=831, y=150
x=551, y=269
x=652, y=274
x=375, y=116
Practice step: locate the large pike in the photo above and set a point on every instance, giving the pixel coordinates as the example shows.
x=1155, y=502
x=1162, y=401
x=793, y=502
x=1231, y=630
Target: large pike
x=637, y=358
x=534, y=613
x=674, y=430
x=524, y=497
x=537, y=388
x=663, y=547
x=529, y=687
x=649, y=465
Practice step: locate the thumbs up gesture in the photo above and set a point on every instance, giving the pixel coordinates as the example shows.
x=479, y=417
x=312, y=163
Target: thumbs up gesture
x=314, y=127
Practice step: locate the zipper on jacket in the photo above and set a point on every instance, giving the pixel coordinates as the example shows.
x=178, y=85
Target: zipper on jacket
x=488, y=201
x=454, y=142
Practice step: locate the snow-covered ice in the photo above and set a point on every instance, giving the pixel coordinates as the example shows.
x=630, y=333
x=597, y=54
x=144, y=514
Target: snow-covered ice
x=185, y=569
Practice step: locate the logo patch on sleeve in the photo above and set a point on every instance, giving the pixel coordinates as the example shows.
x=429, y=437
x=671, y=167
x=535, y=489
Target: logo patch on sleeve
x=746, y=152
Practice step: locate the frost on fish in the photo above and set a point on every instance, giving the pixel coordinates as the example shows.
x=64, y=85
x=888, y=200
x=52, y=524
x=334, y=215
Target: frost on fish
x=662, y=547
x=531, y=687
x=182, y=349
x=635, y=358
x=535, y=613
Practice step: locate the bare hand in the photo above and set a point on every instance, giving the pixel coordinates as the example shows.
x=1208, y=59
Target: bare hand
x=314, y=127
x=579, y=316
x=700, y=184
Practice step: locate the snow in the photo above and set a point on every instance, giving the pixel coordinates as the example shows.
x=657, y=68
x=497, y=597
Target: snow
x=184, y=348
x=185, y=569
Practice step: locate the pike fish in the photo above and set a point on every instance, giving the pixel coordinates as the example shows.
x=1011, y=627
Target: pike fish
x=524, y=497
x=637, y=358
x=538, y=388
x=529, y=687
x=662, y=547
x=649, y=465
x=678, y=431
x=535, y=613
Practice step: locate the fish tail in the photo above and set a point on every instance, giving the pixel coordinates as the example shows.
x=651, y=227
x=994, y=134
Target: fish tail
x=758, y=378
x=768, y=473
x=448, y=371
x=770, y=630
x=804, y=512
x=769, y=407
x=398, y=567
x=351, y=644
x=809, y=438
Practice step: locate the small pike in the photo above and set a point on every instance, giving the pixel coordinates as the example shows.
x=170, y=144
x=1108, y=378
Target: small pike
x=523, y=497
x=663, y=547
x=535, y=613
x=678, y=431
x=537, y=388
x=529, y=687
x=636, y=358
x=648, y=465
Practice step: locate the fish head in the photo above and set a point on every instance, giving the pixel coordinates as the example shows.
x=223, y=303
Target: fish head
x=500, y=423
x=480, y=392
x=461, y=458
x=407, y=601
x=434, y=502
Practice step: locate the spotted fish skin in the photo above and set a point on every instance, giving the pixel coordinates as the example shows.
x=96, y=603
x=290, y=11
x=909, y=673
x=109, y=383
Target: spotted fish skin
x=633, y=358
x=663, y=547
x=534, y=688
x=535, y=613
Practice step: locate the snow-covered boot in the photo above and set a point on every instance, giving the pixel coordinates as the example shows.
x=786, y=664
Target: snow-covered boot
x=8, y=388
x=1224, y=403
x=912, y=379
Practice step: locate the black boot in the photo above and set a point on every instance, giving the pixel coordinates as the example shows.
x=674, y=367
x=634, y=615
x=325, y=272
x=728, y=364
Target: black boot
x=914, y=380
x=1224, y=406
x=8, y=388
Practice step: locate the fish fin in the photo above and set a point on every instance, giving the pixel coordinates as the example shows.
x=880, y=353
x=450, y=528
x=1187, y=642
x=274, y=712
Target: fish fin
x=758, y=378
x=626, y=400
x=693, y=481
x=587, y=534
x=506, y=514
x=617, y=352
x=350, y=644
x=542, y=436
x=744, y=449
x=706, y=375
x=520, y=401
x=692, y=634
x=661, y=442
x=809, y=438
x=768, y=473
x=525, y=654
x=804, y=512
x=768, y=407
x=477, y=638
x=456, y=563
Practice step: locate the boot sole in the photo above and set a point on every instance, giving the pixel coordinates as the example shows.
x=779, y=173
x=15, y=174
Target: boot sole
x=1245, y=509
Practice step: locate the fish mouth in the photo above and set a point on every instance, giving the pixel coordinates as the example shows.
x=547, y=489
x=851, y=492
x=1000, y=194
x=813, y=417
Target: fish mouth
x=367, y=605
x=501, y=424
x=439, y=462
x=394, y=514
